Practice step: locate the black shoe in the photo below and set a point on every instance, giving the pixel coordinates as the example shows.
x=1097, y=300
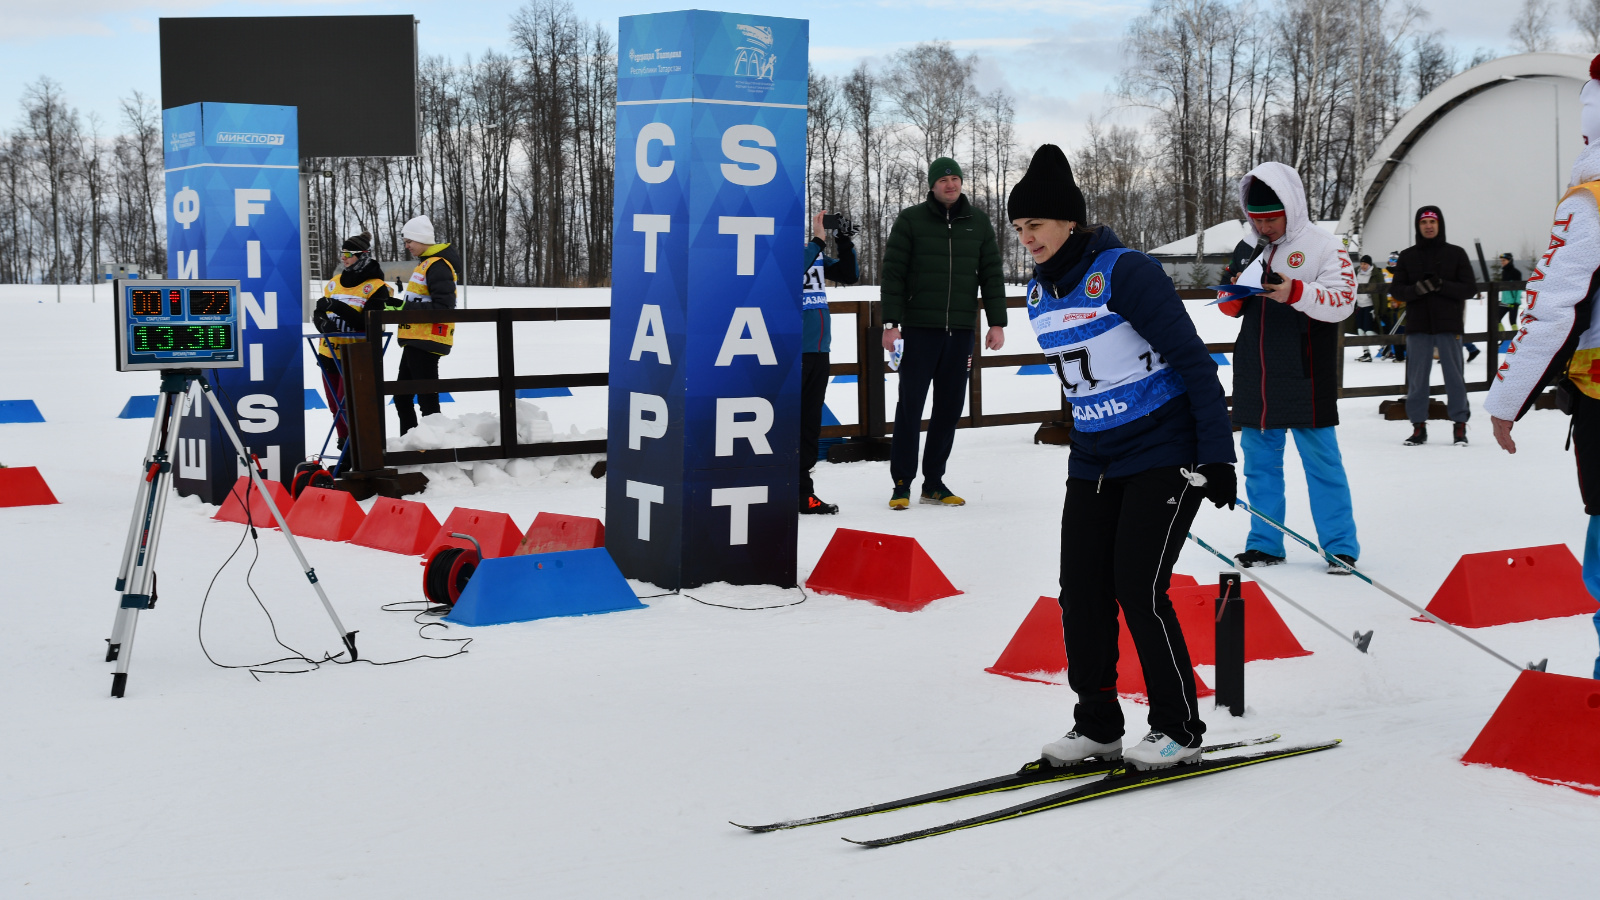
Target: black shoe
x=1460, y=434
x=1366, y=356
x=1252, y=558
x=1336, y=569
x=811, y=506
x=1472, y=353
x=1419, y=435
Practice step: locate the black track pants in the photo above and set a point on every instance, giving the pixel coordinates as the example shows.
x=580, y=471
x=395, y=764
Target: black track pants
x=813, y=388
x=419, y=365
x=1119, y=540
x=933, y=356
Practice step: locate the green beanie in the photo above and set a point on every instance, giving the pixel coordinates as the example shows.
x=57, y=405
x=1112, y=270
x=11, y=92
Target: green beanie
x=941, y=167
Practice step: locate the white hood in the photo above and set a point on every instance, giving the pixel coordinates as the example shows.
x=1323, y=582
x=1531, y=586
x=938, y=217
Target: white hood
x=1285, y=182
x=1587, y=166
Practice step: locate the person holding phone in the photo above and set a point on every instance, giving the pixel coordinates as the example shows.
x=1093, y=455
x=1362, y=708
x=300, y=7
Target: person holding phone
x=816, y=339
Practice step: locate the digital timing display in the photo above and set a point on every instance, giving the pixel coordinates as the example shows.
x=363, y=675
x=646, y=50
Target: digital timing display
x=166, y=338
x=144, y=302
x=210, y=303
x=178, y=324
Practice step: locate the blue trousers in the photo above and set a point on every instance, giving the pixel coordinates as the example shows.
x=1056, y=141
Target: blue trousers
x=1591, y=572
x=1330, y=491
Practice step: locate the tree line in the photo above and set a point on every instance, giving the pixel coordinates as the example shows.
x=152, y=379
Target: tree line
x=517, y=146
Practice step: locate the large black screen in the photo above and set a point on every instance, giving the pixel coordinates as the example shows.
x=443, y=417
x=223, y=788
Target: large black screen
x=320, y=64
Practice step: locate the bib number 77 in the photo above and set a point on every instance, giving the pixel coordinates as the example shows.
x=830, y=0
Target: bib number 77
x=1079, y=355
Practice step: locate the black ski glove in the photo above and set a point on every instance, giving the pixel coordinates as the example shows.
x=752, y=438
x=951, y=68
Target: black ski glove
x=847, y=228
x=1428, y=285
x=319, y=318
x=1222, y=487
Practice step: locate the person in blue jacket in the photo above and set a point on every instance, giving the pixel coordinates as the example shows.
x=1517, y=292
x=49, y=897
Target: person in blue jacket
x=815, y=341
x=1151, y=439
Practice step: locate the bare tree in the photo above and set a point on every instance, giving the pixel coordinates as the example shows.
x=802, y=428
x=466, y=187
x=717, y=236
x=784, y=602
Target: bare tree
x=1586, y=16
x=932, y=89
x=1533, y=29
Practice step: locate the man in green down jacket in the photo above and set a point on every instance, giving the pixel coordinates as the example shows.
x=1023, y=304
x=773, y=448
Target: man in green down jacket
x=940, y=253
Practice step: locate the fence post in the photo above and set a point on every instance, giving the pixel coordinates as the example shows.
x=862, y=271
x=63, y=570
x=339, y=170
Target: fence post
x=872, y=373
x=975, y=375
x=1492, y=313
x=506, y=369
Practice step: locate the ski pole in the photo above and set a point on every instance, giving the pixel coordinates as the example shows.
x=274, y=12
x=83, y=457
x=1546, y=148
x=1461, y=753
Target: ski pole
x=1334, y=560
x=1358, y=640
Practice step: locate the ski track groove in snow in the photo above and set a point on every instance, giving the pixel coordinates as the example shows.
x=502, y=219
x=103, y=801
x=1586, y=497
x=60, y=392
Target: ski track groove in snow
x=602, y=756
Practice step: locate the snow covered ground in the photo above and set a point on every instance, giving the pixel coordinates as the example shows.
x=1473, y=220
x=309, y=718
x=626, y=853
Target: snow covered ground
x=602, y=756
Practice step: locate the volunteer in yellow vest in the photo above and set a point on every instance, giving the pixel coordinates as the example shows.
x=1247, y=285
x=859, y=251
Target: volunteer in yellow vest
x=1558, y=338
x=432, y=286
x=340, y=315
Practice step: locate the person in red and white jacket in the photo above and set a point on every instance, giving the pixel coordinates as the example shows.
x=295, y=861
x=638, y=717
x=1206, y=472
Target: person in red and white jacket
x=1285, y=363
x=1558, y=336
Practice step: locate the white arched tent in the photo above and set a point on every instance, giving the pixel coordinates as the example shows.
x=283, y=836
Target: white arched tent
x=1492, y=147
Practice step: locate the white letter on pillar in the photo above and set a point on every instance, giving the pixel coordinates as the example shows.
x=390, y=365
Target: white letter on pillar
x=247, y=203
x=263, y=314
x=257, y=413
x=758, y=344
x=252, y=259
x=652, y=225
x=651, y=336
x=646, y=494
x=738, y=500
x=746, y=227
x=766, y=165
x=638, y=426
x=655, y=131
x=189, y=266
x=755, y=431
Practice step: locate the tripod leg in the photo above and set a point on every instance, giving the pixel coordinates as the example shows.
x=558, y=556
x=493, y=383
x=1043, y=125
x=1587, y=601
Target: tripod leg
x=347, y=637
x=139, y=524
x=140, y=591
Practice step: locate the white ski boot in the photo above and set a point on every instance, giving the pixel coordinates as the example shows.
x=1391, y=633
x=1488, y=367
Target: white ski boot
x=1157, y=751
x=1077, y=748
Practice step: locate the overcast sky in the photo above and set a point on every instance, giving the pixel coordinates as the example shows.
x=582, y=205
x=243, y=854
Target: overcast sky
x=100, y=50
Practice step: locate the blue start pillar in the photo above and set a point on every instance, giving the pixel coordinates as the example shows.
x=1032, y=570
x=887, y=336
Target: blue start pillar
x=233, y=211
x=709, y=229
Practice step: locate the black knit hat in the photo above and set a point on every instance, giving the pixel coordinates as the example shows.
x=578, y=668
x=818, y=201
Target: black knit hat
x=1047, y=190
x=1261, y=201
x=360, y=243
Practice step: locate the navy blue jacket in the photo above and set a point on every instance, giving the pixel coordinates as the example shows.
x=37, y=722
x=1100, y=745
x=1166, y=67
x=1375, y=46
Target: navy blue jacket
x=1191, y=428
x=816, y=334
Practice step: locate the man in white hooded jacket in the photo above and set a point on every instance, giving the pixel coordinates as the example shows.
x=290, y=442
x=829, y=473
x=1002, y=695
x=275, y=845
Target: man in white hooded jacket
x=1558, y=338
x=1285, y=363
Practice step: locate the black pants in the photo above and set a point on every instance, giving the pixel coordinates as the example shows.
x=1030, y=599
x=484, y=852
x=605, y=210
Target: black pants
x=1586, y=447
x=1119, y=540
x=1509, y=313
x=416, y=364
x=940, y=358
x=1365, y=321
x=813, y=388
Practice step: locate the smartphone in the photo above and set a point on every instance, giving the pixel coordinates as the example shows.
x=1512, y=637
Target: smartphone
x=831, y=221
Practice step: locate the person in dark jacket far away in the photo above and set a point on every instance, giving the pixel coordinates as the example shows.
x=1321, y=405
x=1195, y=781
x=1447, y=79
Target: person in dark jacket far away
x=1435, y=279
x=816, y=338
x=1509, y=300
x=1151, y=439
x=1285, y=366
x=939, y=255
x=432, y=286
x=1366, y=321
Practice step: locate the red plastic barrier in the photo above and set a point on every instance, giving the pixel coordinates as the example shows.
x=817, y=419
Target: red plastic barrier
x=399, y=526
x=1265, y=634
x=233, y=510
x=1039, y=649
x=885, y=569
x=24, y=486
x=553, y=532
x=1179, y=581
x=325, y=514
x=1547, y=727
x=1513, y=586
x=496, y=533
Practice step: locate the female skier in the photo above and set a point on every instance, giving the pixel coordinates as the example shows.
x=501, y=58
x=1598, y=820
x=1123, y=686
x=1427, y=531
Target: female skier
x=1151, y=439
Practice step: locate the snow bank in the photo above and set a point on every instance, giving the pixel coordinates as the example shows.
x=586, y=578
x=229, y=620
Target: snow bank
x=482, y=429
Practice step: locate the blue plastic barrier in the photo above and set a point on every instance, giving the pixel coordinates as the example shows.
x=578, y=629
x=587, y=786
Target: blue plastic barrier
x=140, y=406
x=314, y=399
x=444, y=397
x=1220, y=358
x=1035, y=369
x=538, y=393
x=542, y=586
x=18, y=411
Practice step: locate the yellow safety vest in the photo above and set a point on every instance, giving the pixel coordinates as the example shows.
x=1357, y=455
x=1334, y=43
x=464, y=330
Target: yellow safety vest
x=433, y=337
x=1584, y=369
x=355, y=297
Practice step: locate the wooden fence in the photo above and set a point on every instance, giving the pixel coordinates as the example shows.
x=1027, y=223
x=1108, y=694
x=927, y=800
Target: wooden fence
x=366, y=387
